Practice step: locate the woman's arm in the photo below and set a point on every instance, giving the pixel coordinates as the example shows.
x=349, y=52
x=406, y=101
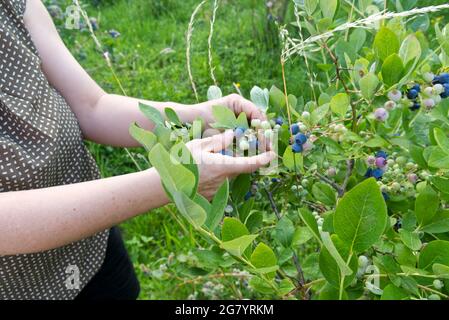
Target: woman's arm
x=44, y=219
x=105, y=118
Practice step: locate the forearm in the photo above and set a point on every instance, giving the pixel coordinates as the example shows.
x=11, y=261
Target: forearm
x=44, y=219
x=108, y=121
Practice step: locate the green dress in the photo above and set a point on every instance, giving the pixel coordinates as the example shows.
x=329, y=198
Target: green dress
x=41, y=146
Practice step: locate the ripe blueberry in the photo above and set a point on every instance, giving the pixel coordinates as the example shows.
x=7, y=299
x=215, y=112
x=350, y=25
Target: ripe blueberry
x=239, y=132
x=300, y=138
x=417, y=87
x=445, y=94
x=294, y=129
x=442, y=78
x=412, y=94
x=297, y=148
x=279, y=121
x=416, y=106
x=381, y=154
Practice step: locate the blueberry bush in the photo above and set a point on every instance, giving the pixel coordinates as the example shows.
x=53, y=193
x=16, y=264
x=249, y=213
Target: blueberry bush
x=357, y=205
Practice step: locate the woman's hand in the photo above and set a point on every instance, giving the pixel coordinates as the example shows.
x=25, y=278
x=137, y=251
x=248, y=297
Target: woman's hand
x=236, y=103
x=215, y=168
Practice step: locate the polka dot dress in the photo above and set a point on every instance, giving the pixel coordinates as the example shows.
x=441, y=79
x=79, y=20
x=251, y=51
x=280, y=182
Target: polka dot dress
x=41, y=146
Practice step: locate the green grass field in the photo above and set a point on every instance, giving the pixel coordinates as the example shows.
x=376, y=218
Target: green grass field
x=150, y=60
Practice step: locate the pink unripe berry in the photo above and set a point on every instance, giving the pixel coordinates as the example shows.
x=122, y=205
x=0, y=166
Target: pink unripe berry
x=413, y=178
x=381, y=162
x=395, y=95
x=307, y=146
x=390, y=105
x=429, y=103
x=381, y=114
x=371, y=160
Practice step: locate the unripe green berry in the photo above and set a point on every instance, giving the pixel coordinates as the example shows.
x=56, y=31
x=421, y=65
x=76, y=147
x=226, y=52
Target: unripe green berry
x=434, y=297
x=438, y=284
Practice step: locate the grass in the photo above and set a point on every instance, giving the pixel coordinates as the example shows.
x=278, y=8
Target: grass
x=149, y=58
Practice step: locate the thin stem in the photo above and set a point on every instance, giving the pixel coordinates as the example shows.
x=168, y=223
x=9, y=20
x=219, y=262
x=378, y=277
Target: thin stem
x=350, y=168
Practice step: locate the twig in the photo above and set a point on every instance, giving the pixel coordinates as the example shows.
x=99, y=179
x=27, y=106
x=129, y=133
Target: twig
x=333, y=184
x=345, y=86
x=350, y=167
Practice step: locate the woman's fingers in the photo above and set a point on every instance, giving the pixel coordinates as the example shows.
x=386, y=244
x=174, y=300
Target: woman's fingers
x=217, y=142
x=250, y=164
x=240, y=104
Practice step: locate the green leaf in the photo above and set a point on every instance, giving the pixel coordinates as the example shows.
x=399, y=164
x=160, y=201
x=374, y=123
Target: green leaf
x=386, y=43
x=146, y=138
x=259, y=285
x=152, y=114
x=443, y=37
x=442, y=139
x=391, y=292
x=324, y=193
x=260, y=97
x=328, y=8
x=361, y=216
x=310, y=6
x=172, y=116
x=242, y=121
x=214, y=93
x=237, y=246
x=426, y=205
x=290, y=159
x=310, y=221
x=264, y=257
x=319, y=113
x=434, y=252
x=192, y=211
x=441, y=184
x=441, y=270
x=284, y=231
x=277, y=99
x=174, y=176
x=357, y=39
x=368, y=85
x=410, y=49
x=410, y=239
x=392, y=70
x=224, y=117
x=439, y=223
x=240, y=187
x=340, y=104
x=332, y=268
x=301, y=236
x=232, y=229
x=329, y=292
x=438, y=159
x=218, y=206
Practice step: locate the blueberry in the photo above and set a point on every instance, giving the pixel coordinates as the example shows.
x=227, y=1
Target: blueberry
x=369, y=173
x=253, y=144
x=381, y=162
x=442, y=78
x=275, y=180
x=386, y=196
x=248, y=195
x=381, y=154
x=381, y=114
x=294, y=128
x=412, y=94
x=417, y=87
x=445, y=94
x=297, y=148
x=416, y=106
x=378, y=173
x=300, y=139
x=239, y=132
x=279, y=121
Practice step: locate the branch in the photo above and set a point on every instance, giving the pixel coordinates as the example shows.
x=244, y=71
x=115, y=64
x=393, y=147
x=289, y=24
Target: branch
x=339, y=69
x=350, y=169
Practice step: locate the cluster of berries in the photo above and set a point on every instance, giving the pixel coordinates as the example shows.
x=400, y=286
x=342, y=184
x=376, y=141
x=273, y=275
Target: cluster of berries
x=337, y=132
x=431, y=95
x=377, y=165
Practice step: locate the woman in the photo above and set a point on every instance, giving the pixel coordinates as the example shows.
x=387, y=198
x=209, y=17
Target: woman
x=55, y=214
